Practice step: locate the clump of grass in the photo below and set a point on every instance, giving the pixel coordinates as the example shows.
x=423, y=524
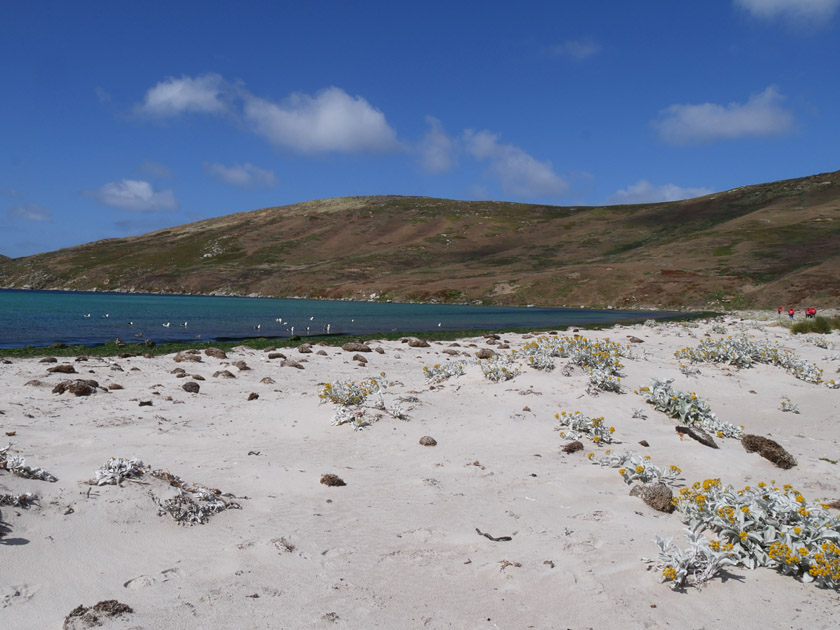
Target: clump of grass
x=820, y=325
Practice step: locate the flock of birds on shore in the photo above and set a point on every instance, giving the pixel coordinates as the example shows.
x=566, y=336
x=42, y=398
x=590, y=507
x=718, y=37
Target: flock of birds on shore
x=326, y=329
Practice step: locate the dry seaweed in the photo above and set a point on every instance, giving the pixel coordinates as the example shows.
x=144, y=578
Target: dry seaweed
x=195, y=503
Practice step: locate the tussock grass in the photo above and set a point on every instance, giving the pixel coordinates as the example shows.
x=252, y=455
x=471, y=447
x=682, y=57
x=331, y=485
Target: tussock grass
x=820, y=324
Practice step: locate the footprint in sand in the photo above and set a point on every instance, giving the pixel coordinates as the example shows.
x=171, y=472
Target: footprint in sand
x=19, y=594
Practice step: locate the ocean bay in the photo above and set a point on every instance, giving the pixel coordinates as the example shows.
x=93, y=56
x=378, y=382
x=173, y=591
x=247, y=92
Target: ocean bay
x=42, y=318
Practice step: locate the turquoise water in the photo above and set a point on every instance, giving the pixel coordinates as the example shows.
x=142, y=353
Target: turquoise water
x=40, y=318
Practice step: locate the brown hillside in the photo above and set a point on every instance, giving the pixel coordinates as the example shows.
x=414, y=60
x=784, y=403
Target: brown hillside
x=764, y=245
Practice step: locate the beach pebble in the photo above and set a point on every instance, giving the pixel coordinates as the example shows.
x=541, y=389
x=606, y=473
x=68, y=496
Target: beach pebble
x=216, y=353
x=191, y=387
x=114, y=386
x=77, y=388
x=359, y=358
x=485, y=353
x=696, y=433
x=428, y=440
x=292, y=363
x=253, y=396
x=276, y=355
x=573, y=447
x=64, y=368
x=223, y=374
x=768, y=449
x=267, y=380
x=187, y=355
x=197, y=377
x=356, y=346
x=329, y=479
x=84, y=617
x=656, y=495
x=241, y=365
x=48, y=360
x=305, y=348
x=417, y=343
x=321, y=353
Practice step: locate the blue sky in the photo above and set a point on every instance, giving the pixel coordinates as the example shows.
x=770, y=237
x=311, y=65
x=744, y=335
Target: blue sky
x=121, y=118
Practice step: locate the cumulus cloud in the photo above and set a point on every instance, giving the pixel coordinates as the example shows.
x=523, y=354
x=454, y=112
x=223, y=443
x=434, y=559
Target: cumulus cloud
x=645, y=192
x=207, y=94
x=31, y=212
x=761, y=115
x=437, y=150
x=138, y=196
x=577, y=48
x=332, y=120
x=244, y=175
x=518, y=172
x=807, y=10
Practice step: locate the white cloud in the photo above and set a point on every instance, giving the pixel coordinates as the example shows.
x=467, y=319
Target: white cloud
x=244, y=175
x=761, y=115
x=203, y=94
x=437, y=150
x=135, y=195
x=645, y=192
x=102, y=95
x=31, y=212
x=330, y=121
x=802, y=10
x=518, y=172
x=577, y=48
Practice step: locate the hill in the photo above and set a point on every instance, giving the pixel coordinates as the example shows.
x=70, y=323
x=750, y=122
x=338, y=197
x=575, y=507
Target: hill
x=761, y=246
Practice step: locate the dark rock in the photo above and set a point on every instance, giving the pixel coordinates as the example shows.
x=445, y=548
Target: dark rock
x=644, y=443
x=656, y=495
x=356, y=346
x=768, y=449
x=84, y=617
x=291, y=363
x=114, y=386
x=145, y=403
x=126, y=355
x=77, y=388
x=493, y=336
x=216, y=353
x=253, y=396
x=48, y=360
x=633, y=339
x=241, y=365
x=36, y=383
x=321, y=353
x=197, y=377
x=267, y=380
x=417, y=343
x=270, y=349
x=485, y=353
x=178, y=370
x=834, y=504
x=451, y=352
x=359, y=358
x=117, y=368
x=276, y=355
x=81, y=358
x=330, y=479
x=181, y=375
x=223, y=374
x=379, y=350
x=305, y=348
x=428, y=440
x=573, y=447
x=696, y=433
x=191, y=387
x=187, y=355
x=64, y=368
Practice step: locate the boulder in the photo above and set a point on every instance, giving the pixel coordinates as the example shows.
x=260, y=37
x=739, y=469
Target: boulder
x=696, y=433
x=216, y=353
x=276, y=355
x=356, y=346
x=64, y=368
x=187, y=355
x=485, y=353
x=656, y=495
x=768, y=449
x=305, y=348
x=191, y=386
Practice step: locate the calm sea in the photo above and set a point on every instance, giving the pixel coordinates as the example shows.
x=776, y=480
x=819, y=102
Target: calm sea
x=40, y=318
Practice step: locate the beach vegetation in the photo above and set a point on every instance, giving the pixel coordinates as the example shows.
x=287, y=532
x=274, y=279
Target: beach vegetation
x=687, y=407
x=635, y=468
x=576, y=425
x=819, y=324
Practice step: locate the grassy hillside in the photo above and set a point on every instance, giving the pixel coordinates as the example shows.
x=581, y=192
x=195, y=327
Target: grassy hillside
x=764, y=245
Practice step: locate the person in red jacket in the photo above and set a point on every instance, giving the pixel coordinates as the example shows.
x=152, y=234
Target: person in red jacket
x=780, y=311
x=791, y=312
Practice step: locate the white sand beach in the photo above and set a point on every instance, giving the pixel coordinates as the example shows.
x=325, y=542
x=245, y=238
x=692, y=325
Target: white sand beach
x=397, y=546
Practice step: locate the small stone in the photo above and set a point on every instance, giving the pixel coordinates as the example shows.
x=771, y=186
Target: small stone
x=114, y=386
x=696, y=433
x=253, y=396
x=145, y=403
x=417, y=343
x=267, y=380
x=191, y=387
x=187, y=355
x=633, y=339
x=359, y=358
x=48, y=360
x=223, y=374
x=216, y=353
x=292, y=363
x=356, y=346
x=305, y=348
x=322, y=353
x=64, y=368
x=330, y=479
x=241, y=365
x=198, y=377
x=656, y=495
x=644, y=443
x=379, y=350
x=768, y=449
x=428, y=440
x=276, y=355
x=573, y=447
x=485, y=353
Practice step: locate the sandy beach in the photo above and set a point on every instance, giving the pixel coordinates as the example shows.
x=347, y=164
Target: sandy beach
x=397, y=546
